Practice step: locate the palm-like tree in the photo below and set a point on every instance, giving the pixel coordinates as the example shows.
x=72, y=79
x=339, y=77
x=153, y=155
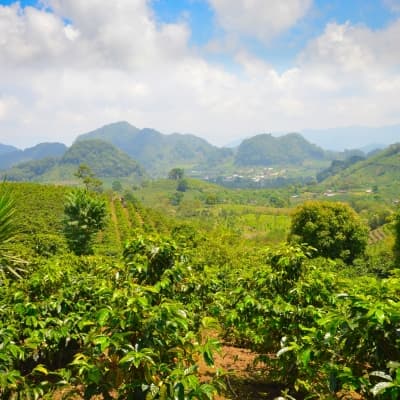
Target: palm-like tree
x=9, y=264
x=7, y=217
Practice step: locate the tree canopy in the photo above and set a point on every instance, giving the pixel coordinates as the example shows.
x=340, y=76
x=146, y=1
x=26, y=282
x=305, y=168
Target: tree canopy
x=84, y=216
x=333, y=229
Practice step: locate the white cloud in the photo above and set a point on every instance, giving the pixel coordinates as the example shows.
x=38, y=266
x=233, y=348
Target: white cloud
x=259, y=18
x=112, y=61
x=393, y=5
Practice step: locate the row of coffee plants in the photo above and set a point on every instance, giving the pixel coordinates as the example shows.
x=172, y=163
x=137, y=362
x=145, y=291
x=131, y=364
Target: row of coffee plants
x=319, y=332
x=95, y=326
x=130, y=322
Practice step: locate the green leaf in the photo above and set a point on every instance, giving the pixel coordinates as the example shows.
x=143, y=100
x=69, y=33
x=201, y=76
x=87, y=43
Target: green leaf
x=380, y=316
x=103, y=341
x=284, y=350
x=102, y=316
x=382, y=375
x=305, y=357
x=41, y=368
x=380, y=388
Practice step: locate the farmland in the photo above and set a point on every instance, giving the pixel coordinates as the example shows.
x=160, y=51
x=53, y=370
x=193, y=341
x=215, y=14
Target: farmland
x=170, y=291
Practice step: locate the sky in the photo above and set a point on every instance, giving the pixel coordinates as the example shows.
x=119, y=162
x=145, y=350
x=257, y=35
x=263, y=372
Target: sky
x=219, y=69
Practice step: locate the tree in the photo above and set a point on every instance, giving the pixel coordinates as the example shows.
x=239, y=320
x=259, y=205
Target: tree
x=88, y=178
x=84, y=216
x=117, y=186
x=7, y=217
x=333, y=229
x=9, y=263
x=182, y=185
x=176, y=173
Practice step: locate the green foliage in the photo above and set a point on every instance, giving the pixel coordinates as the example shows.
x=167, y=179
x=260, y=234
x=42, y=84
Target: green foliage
x=379, y=170
x=84, y=216
x=148, y=258
x=159, y=153
x=7, y=216
x=35, y=153
x=135, y=327
x=84, y=325
x=116, y=186
x=88, y=178
x=396, y=247
x=268, y=150
x=176, y=173
x=333, y=229
x=31, y=170
x=103, y=158
x=182, y=186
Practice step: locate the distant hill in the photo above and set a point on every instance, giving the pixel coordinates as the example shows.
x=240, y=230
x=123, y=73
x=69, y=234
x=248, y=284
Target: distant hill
x=158, y=152
x=267, y=150
x=105, y=160
x=379, y=170
x=4, y=148
x=40, y=151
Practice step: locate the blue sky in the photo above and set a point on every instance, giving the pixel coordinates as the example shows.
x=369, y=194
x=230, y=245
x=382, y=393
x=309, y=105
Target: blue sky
x=221, y=69
x=199, y=14
x=282, y=51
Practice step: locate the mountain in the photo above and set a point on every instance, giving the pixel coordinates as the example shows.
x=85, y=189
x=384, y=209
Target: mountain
x=40, y=151
x=379, y=170
x=355, y=137
x=158, y=152
x=104, y=159
x=267, y=150
x=4, y=148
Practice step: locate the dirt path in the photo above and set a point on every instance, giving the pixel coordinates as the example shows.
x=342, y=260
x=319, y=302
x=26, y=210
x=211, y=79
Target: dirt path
x=244, y=380
x=127, y=216
x=114, y=220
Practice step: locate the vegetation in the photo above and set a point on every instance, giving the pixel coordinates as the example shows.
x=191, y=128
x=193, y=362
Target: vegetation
x=7, y=217
x=129, y=294
x=269, y=151
x=102, y=158
x=84, y=216
x=13, y=156
x=332, y=229
x=157, y=152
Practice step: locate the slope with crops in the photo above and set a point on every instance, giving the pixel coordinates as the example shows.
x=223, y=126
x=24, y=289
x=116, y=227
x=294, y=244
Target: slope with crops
x=143, y=307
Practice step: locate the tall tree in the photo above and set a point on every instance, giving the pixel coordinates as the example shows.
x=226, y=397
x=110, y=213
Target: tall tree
x=88, y=178
x=84, y=217
x=7, y=216
x=333, y=229
x=176, y=173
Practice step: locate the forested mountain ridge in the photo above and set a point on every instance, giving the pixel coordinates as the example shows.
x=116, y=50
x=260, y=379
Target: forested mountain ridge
x=4, y=148
x=260, y=161
x=158, y=152
x=11, y=157
x=268, y=150
x=104, y=159
x=380, y=169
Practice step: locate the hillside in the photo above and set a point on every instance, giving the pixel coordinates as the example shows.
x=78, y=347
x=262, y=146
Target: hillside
x=40, y=151
x=267, y=150
x=105, y=160
x=380, y=171
x=158, y=152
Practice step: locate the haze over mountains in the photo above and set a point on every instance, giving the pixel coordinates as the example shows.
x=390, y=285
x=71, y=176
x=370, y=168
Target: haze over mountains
x=354, y=137
x=122, y=150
